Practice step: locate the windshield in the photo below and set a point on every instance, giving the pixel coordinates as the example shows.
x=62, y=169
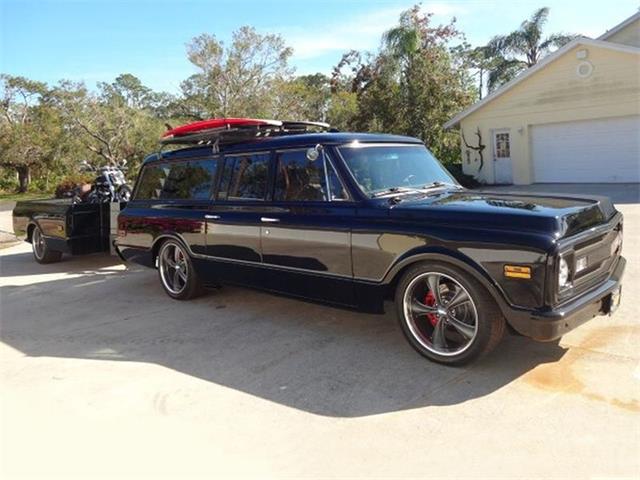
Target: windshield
x=394, y=168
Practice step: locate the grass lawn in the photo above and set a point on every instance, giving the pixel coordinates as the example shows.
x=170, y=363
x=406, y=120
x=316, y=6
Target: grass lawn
x=14, y=197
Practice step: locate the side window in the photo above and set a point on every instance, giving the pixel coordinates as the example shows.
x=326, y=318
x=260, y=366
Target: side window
x=189, y=180
x=177, y=180
x=300, y=179
x=245, y=177
x=151, y=181
x=337, y=189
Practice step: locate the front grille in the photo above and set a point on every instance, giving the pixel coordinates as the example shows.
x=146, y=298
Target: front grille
x=600, y=259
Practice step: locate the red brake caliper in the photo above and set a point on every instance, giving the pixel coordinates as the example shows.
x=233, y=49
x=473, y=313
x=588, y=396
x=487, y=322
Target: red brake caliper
x=430, y=301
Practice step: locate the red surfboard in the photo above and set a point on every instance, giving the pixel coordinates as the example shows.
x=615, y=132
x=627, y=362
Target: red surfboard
x=218, y=124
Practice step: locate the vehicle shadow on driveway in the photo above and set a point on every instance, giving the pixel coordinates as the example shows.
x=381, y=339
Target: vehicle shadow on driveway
x=318, y=359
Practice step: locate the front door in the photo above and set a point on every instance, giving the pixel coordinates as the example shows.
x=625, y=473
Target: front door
x=502, y=157
x=306, y=234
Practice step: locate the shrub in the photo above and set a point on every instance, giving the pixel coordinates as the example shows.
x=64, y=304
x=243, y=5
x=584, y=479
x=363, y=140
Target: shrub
x=465, y=180
x=8, y=181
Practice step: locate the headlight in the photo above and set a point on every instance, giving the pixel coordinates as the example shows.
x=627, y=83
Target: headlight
x=563, y=273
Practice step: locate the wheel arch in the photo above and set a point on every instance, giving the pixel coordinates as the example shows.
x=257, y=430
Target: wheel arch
x=30, y=228
x=454, y=259
x=160, y=239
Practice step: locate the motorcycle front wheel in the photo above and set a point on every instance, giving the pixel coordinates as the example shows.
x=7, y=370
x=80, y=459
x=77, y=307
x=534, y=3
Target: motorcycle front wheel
x=124, y=193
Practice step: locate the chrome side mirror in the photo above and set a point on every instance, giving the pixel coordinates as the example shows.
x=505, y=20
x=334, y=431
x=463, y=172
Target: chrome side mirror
x=314, y=153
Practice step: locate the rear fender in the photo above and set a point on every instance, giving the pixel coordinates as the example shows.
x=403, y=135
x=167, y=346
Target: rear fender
x=155, y=247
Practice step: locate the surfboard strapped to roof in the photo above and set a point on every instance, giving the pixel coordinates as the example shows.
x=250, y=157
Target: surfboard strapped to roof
x=233, y=130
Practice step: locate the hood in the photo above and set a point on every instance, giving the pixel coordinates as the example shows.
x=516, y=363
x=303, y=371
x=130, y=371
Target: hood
x=563, y=215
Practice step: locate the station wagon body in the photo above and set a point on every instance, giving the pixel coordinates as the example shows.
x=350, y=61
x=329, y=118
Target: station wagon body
x=356, y=219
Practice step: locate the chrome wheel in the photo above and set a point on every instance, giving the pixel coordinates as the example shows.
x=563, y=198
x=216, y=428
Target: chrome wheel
x=37, y=243
x=174, y=268
x=440, y=313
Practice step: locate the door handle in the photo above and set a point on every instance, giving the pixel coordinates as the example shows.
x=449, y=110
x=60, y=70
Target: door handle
x=212, y=217
x=269, y=220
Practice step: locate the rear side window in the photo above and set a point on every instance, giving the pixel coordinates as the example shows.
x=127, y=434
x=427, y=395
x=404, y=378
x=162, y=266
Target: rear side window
x=151, y=181
x=245, y=177
x=189, y=180
x=299, y=179
x=185, y=180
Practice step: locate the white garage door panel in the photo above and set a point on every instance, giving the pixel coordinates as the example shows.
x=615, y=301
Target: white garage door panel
x=594, y=151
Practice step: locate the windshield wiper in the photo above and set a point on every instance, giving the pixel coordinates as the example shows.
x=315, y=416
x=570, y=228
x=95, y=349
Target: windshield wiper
x=394, y=190
x=438, y=184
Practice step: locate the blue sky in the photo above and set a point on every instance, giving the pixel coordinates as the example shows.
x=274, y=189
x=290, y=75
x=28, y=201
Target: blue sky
x=95, y=40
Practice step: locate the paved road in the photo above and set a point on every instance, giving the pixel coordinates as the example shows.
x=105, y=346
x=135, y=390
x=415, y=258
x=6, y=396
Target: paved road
x=102, y=373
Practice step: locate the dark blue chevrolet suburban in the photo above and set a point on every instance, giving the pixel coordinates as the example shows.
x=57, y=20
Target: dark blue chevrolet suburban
x=354, y=219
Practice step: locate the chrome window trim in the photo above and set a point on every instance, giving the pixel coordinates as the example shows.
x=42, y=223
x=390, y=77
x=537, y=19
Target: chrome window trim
x=357, y=144
x=382, y=144
x=340, y=179
x=220, y=177
x=325, y=157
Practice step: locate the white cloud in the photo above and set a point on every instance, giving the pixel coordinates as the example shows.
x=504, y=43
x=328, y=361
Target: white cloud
x=361, y=32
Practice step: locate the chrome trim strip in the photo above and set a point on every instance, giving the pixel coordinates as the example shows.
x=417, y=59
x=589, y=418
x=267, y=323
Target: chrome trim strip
x=271, y=266
x=357, y=144
x=249, y=262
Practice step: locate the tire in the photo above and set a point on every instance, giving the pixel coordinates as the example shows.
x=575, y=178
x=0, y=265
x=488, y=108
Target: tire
x=177, y=274
x=458, y=325
x=124, y=193
x=41, y=252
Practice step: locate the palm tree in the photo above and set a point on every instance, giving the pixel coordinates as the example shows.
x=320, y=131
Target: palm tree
x=522, y=48
x=402, y=41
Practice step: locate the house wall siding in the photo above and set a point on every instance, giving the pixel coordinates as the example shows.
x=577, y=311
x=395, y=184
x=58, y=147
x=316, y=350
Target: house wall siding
x=553, y=94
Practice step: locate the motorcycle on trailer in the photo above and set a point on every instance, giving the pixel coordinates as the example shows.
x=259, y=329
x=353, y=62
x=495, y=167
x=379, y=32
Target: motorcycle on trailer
x=110, y=185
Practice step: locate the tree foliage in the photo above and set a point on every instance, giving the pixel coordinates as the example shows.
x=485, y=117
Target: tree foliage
x=242, y=79
x=31, y=132
x=412, y=86
x=521, y=49
x=422, y=75
x=115, y=123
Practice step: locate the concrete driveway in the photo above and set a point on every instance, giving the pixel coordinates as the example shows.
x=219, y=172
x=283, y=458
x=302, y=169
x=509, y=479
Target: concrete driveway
x=103, y=374
x=620, y=193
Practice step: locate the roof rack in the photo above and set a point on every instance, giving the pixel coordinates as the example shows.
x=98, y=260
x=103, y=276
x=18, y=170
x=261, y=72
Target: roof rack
x=228, y=131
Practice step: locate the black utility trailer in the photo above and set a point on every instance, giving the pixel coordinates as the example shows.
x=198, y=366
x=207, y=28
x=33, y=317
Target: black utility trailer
x=59, y=226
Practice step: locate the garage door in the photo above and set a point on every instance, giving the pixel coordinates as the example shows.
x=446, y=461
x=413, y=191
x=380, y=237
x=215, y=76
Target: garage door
x=587, y=151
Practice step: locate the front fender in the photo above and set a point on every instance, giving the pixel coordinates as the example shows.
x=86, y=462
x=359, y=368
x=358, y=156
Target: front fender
x=456, y=259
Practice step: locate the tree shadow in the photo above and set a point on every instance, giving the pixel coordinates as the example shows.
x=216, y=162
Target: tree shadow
x=310, y=357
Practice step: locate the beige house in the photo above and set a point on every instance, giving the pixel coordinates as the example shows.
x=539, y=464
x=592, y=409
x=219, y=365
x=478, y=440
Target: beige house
x=573, y=117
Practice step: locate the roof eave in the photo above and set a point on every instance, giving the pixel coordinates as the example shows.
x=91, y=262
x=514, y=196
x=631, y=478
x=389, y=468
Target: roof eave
x=532, y=70
x=609, y=33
